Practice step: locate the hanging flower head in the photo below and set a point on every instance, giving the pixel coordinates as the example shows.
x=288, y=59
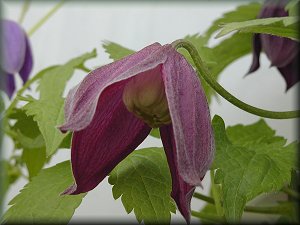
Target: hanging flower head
x=114, y=108
x=16, y=55
x=282, y=52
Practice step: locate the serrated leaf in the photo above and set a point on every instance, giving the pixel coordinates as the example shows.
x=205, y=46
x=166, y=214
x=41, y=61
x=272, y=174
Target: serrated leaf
x=255, y=167
x=241, y=13
x=251, y=134
x=26, y=131
x=279, y=26
x=27, y=136
x=48, y=111
x=8, y=175
x=229, y=50
x=35, y=159
x=116, y=51
x=143, y=180
x=40, y=200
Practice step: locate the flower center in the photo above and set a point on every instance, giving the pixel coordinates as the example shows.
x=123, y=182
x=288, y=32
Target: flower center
x=144, y=95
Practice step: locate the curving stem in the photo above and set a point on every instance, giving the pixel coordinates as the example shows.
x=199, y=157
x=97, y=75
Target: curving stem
x=205, y=74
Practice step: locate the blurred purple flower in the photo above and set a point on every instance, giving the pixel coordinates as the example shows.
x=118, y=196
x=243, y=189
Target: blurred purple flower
x=16, y=55
x=282, y=52
x=113, y=109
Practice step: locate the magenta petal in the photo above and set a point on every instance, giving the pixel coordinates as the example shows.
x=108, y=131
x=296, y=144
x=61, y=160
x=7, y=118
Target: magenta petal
x=109, y=138
x=81, y=104
x=190, y=118
x=28, y=63
x=8, y=84
x=281, y=51
x=13, y=44
x=290, y=73
x=256, y=53
x=182, y=192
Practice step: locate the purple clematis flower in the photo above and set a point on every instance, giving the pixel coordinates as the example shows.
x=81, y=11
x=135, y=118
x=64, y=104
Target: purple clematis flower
x=282, y=52
x=16, y=55
x=113, y=109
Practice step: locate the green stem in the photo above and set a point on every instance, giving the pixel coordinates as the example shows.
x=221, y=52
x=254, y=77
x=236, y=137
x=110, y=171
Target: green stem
x=45, y=18
x=24, y=10
x=253, y=209
x=20, y=92
x=206, y=216
x=291, y=192
x=204, y=72
x=215, y=193
x=204, y=198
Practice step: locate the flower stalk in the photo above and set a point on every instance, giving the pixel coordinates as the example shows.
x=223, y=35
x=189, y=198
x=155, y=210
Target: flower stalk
x=206, y=216
x=45, y=18
x=205, y=74
x=216, y=194
x=252, y=209
x=24, y=10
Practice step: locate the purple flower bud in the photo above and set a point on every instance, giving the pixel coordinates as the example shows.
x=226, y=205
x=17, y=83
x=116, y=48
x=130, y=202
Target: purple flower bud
x=110, y=113
x=16, y=55
x=282, y=52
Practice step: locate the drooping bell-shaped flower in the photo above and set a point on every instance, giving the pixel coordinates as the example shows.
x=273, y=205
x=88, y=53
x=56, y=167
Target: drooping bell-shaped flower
x=16, y=56
x=282, y=52
x=113, y=109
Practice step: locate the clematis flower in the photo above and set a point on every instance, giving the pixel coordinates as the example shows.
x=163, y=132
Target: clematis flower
x=282, y=52
x=114, y=108
x=16, y=55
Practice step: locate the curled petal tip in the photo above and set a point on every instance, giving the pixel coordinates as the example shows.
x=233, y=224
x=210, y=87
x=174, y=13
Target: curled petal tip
x=256, y=42
x=70, y=190
x=62, y=128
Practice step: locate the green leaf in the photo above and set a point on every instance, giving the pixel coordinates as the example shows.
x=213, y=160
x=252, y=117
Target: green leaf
x=220, y=56
x=116, y=51
x=241, y=13
x=155, y=133
x=48, y=111
x=210, y=211
x=143, y=180
x=249, y=164
x=292, y=7
x=26, y=131
x=252, y=134
x=27, y=136
x=8, y=175
x=35, y=159
x=230, y=50
x=199, y=42
x=66, y=143
x=40, y=200
x=2, y=105
x=279, y=26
